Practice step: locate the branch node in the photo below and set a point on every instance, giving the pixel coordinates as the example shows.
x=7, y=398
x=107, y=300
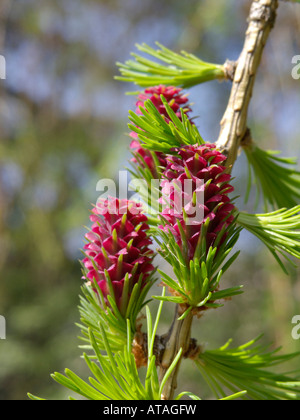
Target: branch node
x=193, y=351
x=262, y=14
x=229, y=69
x=247, y=140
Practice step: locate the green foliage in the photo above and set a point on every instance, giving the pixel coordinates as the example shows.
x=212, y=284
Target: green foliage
x=246, y=367
x=279, y=231
x=197, y=282
x=93, y=309
x=159, y=135
x=277, y=181
x=115, y=375
x=183, y=69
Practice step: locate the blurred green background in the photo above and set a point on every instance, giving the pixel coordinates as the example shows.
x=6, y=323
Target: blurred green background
x=63, y=127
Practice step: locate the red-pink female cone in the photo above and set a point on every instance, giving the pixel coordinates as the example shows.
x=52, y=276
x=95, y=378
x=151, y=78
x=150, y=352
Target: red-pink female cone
x=178, y=101
x=198, y=163
x=118, y=248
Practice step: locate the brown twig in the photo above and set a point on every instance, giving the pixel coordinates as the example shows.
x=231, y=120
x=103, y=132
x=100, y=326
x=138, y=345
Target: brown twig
x=140, y=349
x=234, y=123
x=178, y=338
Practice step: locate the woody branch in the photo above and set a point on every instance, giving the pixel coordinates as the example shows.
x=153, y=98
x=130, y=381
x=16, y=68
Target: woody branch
x=234, y=123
